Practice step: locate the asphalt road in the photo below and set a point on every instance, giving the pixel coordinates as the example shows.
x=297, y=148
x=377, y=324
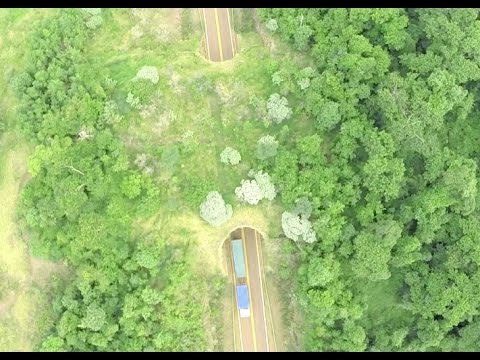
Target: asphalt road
x=219, y=38
x=252, y=330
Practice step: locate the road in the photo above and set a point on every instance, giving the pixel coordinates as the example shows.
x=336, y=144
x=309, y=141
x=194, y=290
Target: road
x=219, y=37
x=253, y=330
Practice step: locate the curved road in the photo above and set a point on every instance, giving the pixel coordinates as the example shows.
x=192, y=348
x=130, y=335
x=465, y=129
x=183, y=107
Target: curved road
x=219, y=37
x=252, y=332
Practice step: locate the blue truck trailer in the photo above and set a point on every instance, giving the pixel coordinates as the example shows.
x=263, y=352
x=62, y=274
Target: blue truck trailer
x=243, y=301
x=238, y=258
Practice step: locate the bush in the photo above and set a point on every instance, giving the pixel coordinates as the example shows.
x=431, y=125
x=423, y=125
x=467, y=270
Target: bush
x=266, y=147
x=230, y=156
x=214, y=210
x=93, y=18
x=304, y=83
x=277, y=108
x=272, y=25
x=195, y=189
x=92, y=11
x=149, y=73
x=133, y=101
x=94, y=22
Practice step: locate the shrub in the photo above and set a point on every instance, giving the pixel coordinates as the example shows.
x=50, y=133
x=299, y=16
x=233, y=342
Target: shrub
x=111, y=114
x=93, y=18
x=277, y=108
x=272, y=25
x=214, y=210
x=92, y=11
x=21, y=82
x=230, y=156
x=149, y=73
x=94, y=22
x=195, y=189
x=133, y=101
x=278, y=78
x=304, y=83
x=266, y=147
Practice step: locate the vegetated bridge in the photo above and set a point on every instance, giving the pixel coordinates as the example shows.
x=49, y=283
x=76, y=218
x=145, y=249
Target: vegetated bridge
x=219, y=39
x=252, y=319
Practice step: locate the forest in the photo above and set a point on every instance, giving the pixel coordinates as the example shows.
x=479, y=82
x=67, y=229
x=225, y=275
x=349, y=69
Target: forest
x=349, y=134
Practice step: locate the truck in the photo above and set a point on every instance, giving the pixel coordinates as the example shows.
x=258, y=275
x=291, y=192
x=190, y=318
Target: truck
x=238, y=259
x=243, y=301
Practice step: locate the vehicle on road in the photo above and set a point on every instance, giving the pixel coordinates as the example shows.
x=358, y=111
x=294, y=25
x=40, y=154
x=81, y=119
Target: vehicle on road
x=242, y=300
x=241, y=285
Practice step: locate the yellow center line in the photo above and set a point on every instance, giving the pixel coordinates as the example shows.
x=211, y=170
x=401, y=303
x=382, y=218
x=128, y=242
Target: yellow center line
x=206, y=34
x=249, y=291
x=261, y=288
x=231, y=34
x=218, y=34
x=237, y=310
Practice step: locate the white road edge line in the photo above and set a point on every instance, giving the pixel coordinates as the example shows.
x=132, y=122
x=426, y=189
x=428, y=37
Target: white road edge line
x=206, y=34
x=261, y=287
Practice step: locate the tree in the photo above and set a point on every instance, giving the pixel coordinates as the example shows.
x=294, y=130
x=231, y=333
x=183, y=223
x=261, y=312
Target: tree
x=272, y=25
x=277, y=109
x=230, y=156
x=252, y=191
x=297, y=228
x=373, y=250
x=249, y=192
x=214, y=210
x=266, y=147
x=94, y=319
